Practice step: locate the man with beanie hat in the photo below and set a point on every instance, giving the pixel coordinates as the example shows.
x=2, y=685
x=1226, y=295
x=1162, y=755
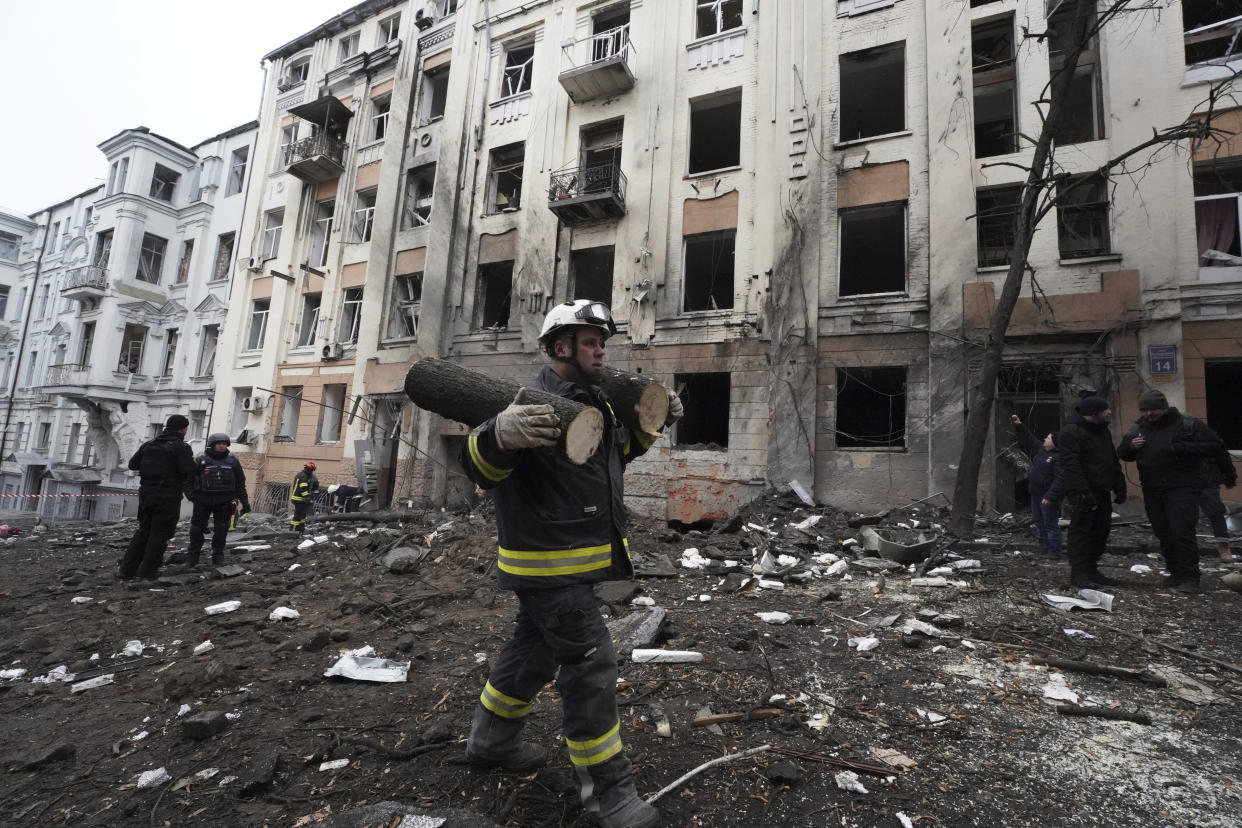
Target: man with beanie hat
x=1088, y=472
x=165, y=467
x=1172, y=450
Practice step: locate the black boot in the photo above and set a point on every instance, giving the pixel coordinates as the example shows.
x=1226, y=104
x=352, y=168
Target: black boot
x=613, y=792
x=494, y=742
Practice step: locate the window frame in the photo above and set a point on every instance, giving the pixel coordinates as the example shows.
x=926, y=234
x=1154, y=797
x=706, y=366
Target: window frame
x=380, y=108
x=347, y=46
x=308, y=320
x=1100, y=204
x=151, y=258
x=709, y=237
x=511, y=68
x=846, y=212
x=163, y=188
x=256, y=330
x=389, y=29
x=362, y=221
x=404, y=315
x=331, y=417
x=499, y=167
x=860, y=441
x=418, y=200
x=717, y=10
x=273, y=227
x=850, y=88
x=351, y=316
x=238, y=162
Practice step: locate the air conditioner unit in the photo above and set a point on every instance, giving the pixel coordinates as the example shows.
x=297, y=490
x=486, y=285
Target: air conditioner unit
x=333, y=350
x=424, y=19
x=254, y=263
x=252, y=403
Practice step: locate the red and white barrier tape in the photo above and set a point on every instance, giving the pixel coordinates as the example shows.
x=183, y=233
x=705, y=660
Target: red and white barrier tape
x=110, y=494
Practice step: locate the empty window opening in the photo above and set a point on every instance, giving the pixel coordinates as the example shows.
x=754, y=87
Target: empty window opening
x=708, y=271
x=871, y=407
x=348, y=47
x=290, y=413
x=706, y=400
x=389, y=29
x=207, y=351
x=163, y=183
x=1218, y=197
x=187, y=257
x=873, y=92
x=272, y=225
x=364, y=216
x=171, y=338
x=151, y=260
x=296, y=72
x=434, y=95
x=716, y=132
x=1223, y=384
x=873, y=249
x=716, y=16
x=87, y=345
x=590, y=273
x=610, y=29
x=224, y=257
x=309, y=324
x=495, y=292
x=321, y=231
x=330, y=413
x=407, y=299
x=1213, y=30
x=132, y=342
x=419, y=188
x=601, y=156
x=237, y=171
x=351, y=315
x=1082, y=113
x=258, y=323
x=505, y=179
x=995, y=82
x=996, y=219
x=379, y=117
x=1082, y=217
x=516, y=77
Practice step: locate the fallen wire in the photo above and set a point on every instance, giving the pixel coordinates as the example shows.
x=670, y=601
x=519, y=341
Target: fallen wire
x=393, y=753
x=719, y=760
x=841, y=763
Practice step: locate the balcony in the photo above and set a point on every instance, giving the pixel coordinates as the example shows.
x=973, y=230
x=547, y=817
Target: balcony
x=86, y=282
x=317, y=158
x=605, y=71
x=580, y=195
x=74, y=381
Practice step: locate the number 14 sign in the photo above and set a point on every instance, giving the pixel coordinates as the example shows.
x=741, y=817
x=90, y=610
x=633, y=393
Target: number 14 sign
x=1162, y=361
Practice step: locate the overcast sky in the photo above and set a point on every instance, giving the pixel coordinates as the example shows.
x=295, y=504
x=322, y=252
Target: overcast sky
x=80, y=71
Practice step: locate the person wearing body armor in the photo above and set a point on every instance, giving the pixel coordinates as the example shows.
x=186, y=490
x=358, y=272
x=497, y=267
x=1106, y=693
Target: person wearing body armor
x=561, y=529
x=164, y=467
x=305, y=486
x=1171, y=450
x=217, y=491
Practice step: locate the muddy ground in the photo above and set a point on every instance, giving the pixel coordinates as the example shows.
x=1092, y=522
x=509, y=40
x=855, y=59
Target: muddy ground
x=954, y=729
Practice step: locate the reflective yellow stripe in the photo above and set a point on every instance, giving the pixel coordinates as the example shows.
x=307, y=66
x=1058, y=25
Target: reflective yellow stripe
x=504, y=706
x=555, y=561
x=594, y=751
x=644, y=439
x=485, y=468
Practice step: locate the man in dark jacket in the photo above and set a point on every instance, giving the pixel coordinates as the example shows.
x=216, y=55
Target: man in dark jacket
x=1170, y=449
x=561, y=529
x=305, y=487
x=1044, y=489
x=164, y=466
x=1088, y=472
x=217, y=490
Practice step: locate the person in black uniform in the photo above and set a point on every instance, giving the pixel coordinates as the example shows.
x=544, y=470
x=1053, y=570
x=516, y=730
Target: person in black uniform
x=164, y=467
x=561, y=529
x=1088, y=471
x=218, y=491
x=305, y=486
x=1042, y=483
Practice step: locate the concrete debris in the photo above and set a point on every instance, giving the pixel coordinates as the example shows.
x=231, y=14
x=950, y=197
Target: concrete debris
x=774, y=617
x=223, y=607
x=864, y=644
x=637, y=630
x=665, y=656
x=848, y=781
x=153, y=778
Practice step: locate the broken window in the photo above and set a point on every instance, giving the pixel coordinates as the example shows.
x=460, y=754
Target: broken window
x=1223, y=384
x=505, y=177
x=330, y=413
x=87, y=344
x=389, y=29
x=407, y=298
x=288, y=136
x=996, y=219
x=273, y=222
x=1082, y=113
x=320, y=232
x=348, y=47
x=296, y=72
x=516, y=77
x=1218, y=196
x=715, y=16
x=207, y=351
x=309, y=323
x=151, y=260
x=240, y=414
x=873, y=92
x=103, y=249
x=434, y=95
x=419, y=188
x=290, y=413
x=163, y=183
x=379, y=117
x=871, y=407
x=116, y=176
x=237, y=171
x=873, y=249
x=1213, y=30
x=224, y=257
x=351, y=315
x=590, y=273
x=706, y=400
x=494, y=294
x=171, y=337
x=610, y=32
x=1082, y=217
x=364, y=216
x=132, y=342
x=716, y=132
x=995, y=82
x=708, y=271
x=258, y=323
x=183, y=266
x=601, y=156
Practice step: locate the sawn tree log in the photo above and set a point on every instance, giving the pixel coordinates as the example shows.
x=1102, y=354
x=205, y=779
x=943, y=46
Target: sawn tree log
x=472, y=397
x=639, y=402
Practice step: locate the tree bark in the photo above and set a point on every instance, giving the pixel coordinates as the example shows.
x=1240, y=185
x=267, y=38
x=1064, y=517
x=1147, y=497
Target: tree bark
x=472, y=397
x=640, y=402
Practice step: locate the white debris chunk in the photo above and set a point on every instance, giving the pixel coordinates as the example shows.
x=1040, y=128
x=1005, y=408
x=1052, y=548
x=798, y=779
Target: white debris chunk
x=205, y=647
x=643, y=601
x=153, y=778
x=767, y=583
x=808, y=523
x=223, y=607
x=1141, y=569
x=183, y=709
x=334, y=764
x=91, y=684
x=60, y=673
x=864, y=644
x=837, y=568
x=132, y=648
x=641, y=656
x=81, y=599
x=929, y=582
x=848, y=781
x=283, y=614
x=904, y=820
x=306, y=544
x=1057, y=689
x=16, y=672
x=1073, y=633
x=774, y=617
x=691, y=559
x=759, y=528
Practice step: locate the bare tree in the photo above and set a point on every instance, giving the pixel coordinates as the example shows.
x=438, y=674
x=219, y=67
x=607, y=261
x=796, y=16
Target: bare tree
x=1046, y=186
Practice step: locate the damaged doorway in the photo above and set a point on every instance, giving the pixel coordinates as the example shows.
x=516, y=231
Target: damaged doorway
x=1033, y=391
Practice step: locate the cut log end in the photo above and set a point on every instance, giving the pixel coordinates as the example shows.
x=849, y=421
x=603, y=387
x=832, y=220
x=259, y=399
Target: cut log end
x=582, y=435
x=652, y=409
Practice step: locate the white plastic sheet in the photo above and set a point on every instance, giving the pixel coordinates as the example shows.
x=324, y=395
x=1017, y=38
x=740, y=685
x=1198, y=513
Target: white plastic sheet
x=361, y=668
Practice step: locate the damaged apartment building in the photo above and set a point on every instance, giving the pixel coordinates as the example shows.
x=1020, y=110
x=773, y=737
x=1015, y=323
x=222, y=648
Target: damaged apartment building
x=113, y=319
x=778, y=200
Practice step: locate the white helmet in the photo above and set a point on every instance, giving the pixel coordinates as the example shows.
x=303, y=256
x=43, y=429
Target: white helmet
x=578, y=312
x=332, y=489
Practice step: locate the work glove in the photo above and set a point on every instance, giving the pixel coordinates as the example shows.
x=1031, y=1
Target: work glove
x=675, y=409
x=245, y=507
x=522, y=425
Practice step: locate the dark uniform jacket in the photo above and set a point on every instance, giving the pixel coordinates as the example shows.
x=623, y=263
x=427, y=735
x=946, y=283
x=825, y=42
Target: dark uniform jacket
x=207, y=491
x=1042, y=479
x=165, y=466
x=1176, y=454
x=305, y=484
x=1087, y=460
x=558, y=523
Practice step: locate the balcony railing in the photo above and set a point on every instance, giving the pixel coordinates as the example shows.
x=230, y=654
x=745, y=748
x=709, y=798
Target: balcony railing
x=317, y=158
x=66, y=373
x=86, y=279
x=584, y=194
x=605, y=69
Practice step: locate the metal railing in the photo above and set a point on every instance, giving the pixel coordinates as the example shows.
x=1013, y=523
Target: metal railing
x=574, y=182
x=66, y=373
x=606, y=46
x=87, y=276
x=315, y=145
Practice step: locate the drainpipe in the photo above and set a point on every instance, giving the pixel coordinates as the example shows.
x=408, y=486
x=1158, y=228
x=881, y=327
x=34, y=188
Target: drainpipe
x=21, y=345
